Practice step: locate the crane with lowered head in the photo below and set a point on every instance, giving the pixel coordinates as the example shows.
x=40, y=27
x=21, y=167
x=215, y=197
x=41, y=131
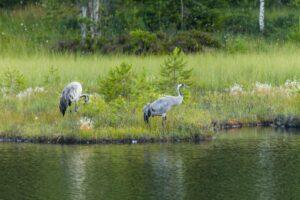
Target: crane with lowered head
x=72, y=93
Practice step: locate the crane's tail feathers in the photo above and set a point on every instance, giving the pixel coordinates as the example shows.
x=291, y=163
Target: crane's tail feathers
x=63, y=105
x=147, y=113
x=146, y=118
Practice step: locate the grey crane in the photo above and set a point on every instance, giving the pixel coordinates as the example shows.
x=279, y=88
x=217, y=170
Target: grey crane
x=71, y=93
x=161, y=106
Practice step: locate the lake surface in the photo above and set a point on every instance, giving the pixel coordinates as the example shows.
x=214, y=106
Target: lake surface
x=238, y=164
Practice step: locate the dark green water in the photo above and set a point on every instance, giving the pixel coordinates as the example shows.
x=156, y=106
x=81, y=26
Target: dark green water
x=240, y=164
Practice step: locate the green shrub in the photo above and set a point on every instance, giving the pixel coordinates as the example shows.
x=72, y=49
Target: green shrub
x=118, y=83
x=192, y=41
x=205, y=39
x=142, y=42
x=294, y=36
x=185, y=42
x=173, y=71
x=12, y=81
x=236, y=44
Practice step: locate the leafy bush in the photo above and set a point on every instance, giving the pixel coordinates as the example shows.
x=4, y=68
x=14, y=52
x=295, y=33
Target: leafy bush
x=119, y=82
x=237, y=44
x=192, y=41
x=294, y=36
x=185, y=42
x=12, y=81
x=143, y=41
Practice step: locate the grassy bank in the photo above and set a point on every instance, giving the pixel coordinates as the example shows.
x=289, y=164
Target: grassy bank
x=228, y=90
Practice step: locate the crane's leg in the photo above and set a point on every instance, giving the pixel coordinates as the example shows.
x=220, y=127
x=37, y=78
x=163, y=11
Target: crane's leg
x=76, y=107
x=164, y=120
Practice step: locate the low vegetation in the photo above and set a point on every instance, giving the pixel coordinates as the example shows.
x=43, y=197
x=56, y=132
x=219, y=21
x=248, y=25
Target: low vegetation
x=226, y=89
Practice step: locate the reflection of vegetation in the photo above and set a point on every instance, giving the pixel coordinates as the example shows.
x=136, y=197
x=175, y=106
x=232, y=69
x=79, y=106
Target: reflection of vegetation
x=243, y=164
x=227, y=89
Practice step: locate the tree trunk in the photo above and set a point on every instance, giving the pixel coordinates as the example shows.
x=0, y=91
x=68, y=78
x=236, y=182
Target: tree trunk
x=261, y=15
x=182, y=25
x=94, y=16
x=83, y=25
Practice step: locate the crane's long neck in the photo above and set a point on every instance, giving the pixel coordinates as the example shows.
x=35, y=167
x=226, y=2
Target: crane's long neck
x=179, y=98
x=179, y=92
x=86, y=97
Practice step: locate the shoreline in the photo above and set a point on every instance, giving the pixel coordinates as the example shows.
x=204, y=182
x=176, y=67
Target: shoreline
x=195, y=138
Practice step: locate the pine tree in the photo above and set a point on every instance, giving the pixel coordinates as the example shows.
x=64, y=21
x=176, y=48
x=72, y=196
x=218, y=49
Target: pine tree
x=173, y=71
x=118, y=83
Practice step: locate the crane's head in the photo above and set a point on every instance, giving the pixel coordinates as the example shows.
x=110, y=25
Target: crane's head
x=181, y=85
x=86, y=98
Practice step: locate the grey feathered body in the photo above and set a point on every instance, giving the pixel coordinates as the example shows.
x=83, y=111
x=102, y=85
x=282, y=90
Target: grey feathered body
x=164, y=104
x=161, y=106
x=71, y=93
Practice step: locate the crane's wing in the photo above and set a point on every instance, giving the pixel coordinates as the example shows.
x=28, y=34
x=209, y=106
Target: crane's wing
x=161, y=105
x=72, y=92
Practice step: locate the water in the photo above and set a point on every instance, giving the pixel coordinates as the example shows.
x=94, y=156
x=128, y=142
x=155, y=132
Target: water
x=240, y=164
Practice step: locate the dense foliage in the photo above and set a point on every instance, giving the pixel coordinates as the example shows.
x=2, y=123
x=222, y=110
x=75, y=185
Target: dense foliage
x=137, y=27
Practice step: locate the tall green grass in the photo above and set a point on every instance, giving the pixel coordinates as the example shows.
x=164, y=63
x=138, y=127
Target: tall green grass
x=209, y=101
x=211, y=71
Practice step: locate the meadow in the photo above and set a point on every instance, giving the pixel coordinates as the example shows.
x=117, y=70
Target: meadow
x=228, y=89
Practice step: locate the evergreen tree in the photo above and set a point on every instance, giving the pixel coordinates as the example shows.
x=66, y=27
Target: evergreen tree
x=118, y=83
x=173, y=71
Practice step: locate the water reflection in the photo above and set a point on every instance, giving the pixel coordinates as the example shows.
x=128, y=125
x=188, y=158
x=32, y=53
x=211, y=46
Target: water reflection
x=77, y=171
x=240, y=164
x=265, y=181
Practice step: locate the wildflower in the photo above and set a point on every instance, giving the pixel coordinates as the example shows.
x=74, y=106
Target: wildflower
x=36, y=118
x=86, y=123
x=290, y=87
x=292, y=84
x=236, y=89
x=134, y=142
x=262, y=87
x=39, y=89
x=25, y=93
x=29, y=91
